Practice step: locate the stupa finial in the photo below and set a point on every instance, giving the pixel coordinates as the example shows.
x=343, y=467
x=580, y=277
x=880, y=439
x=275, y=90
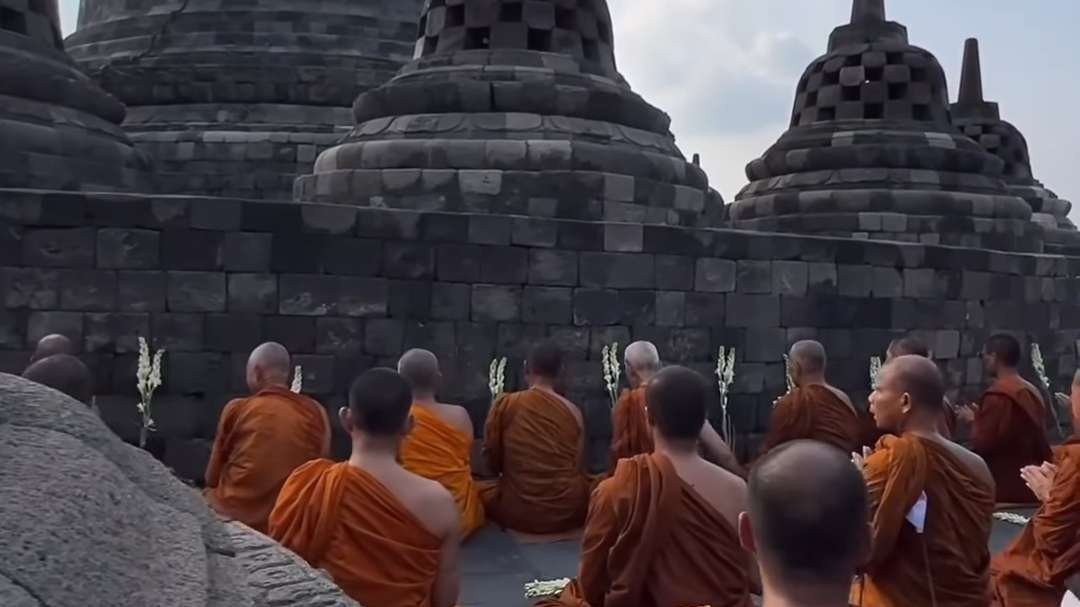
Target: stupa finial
x=867, y=10
x=971, y=89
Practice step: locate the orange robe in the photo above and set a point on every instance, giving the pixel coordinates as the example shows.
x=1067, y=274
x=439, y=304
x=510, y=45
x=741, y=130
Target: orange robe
x=630, y=431
x=956, y=538
x=814, y=412
x=1032, y=571
x=652, y=541
x=341, y=519
x=1010, y=433
x=535, y=443
x=438, y=451
x=259, y=442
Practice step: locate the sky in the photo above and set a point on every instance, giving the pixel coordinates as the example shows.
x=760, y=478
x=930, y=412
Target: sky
x=726, y=70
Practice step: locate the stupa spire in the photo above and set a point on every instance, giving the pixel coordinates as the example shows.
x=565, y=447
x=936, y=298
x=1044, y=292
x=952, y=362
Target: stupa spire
x=867, y=10
x=971, y=89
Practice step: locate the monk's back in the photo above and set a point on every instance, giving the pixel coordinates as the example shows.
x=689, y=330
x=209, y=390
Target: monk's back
x=1010, y=433
x=815, y=412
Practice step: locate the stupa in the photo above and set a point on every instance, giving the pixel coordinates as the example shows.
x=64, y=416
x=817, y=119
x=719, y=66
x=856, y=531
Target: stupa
x=513, y=107
x=872, y=153
x=236, y=98
x=58, y=130
x=981, y=120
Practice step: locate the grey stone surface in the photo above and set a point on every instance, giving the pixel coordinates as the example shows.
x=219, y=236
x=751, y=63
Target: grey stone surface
x=109, y=504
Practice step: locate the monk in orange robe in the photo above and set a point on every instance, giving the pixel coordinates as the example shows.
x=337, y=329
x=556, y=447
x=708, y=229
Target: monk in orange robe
x=439, y=446
x=932, y=500
x=386, y=536
x=630, y=431
x=535, y=441
x=808, y=554
x=913, y=346
x=814, y=409
x=1008, y=429
x=1034, y=569
x=662, y=531
x=261, y=439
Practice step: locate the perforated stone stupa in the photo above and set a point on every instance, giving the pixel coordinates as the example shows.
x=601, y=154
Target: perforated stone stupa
x=981, y=120
x=872, y=153
x=58, y=130
x=512, y=107
x=236, y=98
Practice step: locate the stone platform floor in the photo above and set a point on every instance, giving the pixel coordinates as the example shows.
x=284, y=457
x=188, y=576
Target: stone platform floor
x=495, y=566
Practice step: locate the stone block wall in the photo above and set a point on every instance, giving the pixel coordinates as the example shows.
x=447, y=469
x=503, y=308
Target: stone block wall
x=345, y=288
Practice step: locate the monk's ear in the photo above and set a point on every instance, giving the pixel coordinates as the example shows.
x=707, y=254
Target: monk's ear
x=746, y=533
x=346, y=419
x=905, y=403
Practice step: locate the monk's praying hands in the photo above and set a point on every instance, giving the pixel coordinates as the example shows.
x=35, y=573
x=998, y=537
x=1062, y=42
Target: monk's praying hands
x=1039, y=479
x=966, y=413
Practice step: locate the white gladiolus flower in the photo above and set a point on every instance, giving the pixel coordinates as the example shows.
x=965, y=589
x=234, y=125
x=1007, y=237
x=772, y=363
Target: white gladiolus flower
x=537, y=589
x=147, y=381
x=1039, y=365
x=297, y=380
x=1015, y=519
x=725, y=374
x=875, y=371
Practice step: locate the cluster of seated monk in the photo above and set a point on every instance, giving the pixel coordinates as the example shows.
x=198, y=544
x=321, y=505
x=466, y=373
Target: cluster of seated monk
x=822, y=518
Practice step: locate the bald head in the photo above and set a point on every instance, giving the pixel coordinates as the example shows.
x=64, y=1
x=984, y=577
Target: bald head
x=268, y=365
x=919, y=377
x=808, y=514
x=907, y=346
x=642, y=362
x=809, y=358
x=421, y=369
x=677, y=402
x=51, y=345
x=64, y=373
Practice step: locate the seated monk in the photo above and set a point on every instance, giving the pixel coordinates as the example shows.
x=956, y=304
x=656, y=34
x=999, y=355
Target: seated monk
x=1034, y=569
x=808, y=554
x=662, y=531
x=931, y=500
x=913, y=346
x=535, y=441
x=51, y=345
x=63, y=373
x=385, y=535
x=631, y=434
x=813, y=410
x=1008, y=428
x=261, y=439
x=440, y=444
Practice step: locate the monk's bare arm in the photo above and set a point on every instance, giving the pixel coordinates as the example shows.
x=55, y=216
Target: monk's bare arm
x=718, y=452
x=448, y=580
x=219, y=453
x=327, y=431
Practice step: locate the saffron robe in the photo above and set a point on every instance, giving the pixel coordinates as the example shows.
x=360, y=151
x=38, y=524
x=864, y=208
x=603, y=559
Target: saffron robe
x=952, y=555
x=814, y=412
x=652, y=541
x=341, y=519
x=438, y=451
x=259, y=442
x=630, y=431
x=535, y=444
x=1009, y=432
x=1032, y=571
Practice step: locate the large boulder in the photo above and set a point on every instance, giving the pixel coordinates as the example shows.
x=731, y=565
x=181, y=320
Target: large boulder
x=88, y=520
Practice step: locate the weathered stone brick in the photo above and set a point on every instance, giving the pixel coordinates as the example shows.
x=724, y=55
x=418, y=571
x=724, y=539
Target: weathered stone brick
x=555, y=268
x=295, y=253
x=460, y=263
x=127, y=248
x=192, y=249
x=296, y=333
x=450, y=301
x=822, y=278
x=328, y=219
x=307, y=294
x=573, y=341
x=670, y=308
x=361, y=297
x=549, y=305
x=34, y=288
x=234, y=332
x=946, y=344
x=339, y=336
x=888, y=282
x=688, y=345
x=516, y=340
x=920, y=283
x=351, y=256
x=504, y=265
x=409, y=298
x=413, y=260
x=87, y=290
x=216, y=214
x=581, y=235
x=13, y=325
x=115, y=333
x=196, y=292
x=67, y=248
x=491, y=303
x=384, y=336
x=714, y=275
x=790, y=277
x=765, y=344
x=617, y=270
x=623, y=237
x=596, y=307
x=439, y=337
x=68, y=324
x=600, y=337
x=674, y=272
x=247, y=252
x=976, y=285
x=637, y=307
x=534, y=232
x=855, y=281
x=11, y=244
x=190, y=374
x=705, y=309
x=489, y=229
x=753, y=310
x=177, y=332
x=253, y=293
x=753, y=276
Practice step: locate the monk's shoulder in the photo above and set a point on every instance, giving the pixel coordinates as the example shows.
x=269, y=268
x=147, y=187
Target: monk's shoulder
x=973, y=461
x=457, y=416
x=840, y=395
x=433, y=504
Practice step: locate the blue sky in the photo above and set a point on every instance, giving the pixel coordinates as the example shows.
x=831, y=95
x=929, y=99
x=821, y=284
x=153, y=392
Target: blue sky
x=726, y=70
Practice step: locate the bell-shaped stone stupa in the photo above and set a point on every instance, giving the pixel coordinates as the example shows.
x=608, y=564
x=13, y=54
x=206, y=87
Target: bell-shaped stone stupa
x=872, y=153
x=515, y=107
x=981, y=120
x=58, y=130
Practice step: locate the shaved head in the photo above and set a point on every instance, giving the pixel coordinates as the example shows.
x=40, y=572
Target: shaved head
x=919, y=377
x=643, y=356
x=808, y=514
x=809, y=357
x=64, y=373
x=676, y=399
x=907, y=346
x=421, y=369
x=545, y=360
x=379, y=403
x=1005, y=349
x=51, y=345
x=268, y=365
